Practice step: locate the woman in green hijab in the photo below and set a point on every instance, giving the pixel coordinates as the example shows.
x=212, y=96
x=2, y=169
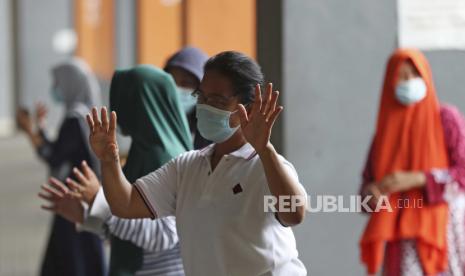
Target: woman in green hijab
x=147, y=102
x=150, y=113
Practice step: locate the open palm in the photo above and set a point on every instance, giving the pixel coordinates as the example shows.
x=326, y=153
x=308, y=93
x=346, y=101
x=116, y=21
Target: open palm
x=62, y=201
x=256, y=126
x=87, y=183
x=103, y=135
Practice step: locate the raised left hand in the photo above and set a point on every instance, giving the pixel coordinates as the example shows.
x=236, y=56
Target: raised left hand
x=402, y=181
x=62, y=201
x=256, y=126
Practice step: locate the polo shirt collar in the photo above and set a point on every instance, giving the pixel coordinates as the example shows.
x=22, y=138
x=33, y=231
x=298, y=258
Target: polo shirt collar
x=245, y=152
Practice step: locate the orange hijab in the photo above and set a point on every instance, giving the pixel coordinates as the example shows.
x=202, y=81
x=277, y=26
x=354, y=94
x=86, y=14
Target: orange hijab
x=408, y=138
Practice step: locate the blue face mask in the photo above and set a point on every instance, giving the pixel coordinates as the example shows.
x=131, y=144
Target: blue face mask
x=411, y=91
x=213, y=123
x=187, y=100
x=56, y=95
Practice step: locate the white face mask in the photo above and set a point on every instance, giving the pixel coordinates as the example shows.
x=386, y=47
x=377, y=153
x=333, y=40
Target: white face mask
x=187, y=100
x=411, y=91
x=213, y=123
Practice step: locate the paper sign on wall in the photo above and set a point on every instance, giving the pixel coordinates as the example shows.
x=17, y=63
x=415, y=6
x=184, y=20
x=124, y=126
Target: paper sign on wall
x=431, y=24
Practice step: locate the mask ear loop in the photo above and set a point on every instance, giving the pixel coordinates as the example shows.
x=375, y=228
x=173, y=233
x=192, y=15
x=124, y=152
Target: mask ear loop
x=237, y=110
x=245, y=106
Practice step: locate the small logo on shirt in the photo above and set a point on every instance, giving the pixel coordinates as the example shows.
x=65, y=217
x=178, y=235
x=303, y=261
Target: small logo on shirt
x=237, y=189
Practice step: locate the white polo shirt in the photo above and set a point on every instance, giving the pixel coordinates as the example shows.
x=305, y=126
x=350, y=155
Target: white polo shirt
x=220, y=216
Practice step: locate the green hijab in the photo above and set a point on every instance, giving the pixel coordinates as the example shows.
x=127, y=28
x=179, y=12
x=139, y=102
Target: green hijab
x=146, y=102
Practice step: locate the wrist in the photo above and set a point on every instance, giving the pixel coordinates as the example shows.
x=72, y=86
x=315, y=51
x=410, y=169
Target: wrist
x=267, y=150
x=110, y=162
x=30, y=133
x=91, y=200
x=40, y=127
x=80, y=215
x=420, y=179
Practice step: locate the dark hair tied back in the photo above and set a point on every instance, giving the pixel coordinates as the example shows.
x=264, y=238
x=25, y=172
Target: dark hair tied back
x=243, y=72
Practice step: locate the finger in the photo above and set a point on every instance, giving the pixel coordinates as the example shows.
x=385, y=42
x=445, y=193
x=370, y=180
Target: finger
x=76, y=190
x=376, y=192
x=267, y=99
x=41, y=109
x=243, y=115
x=257, y=105
x=382, y=186
x=41, y=106
x=97, y=123
x=24, y=112
x=52, y=191
x=90, y=122
x=274, y=116
x=86, y=170
x=386, y=187
x=74, y=185
x=49, y=208
x=57, y=184
x=80, y=176
x=46, y=196
x=103, y=115
x=112, y=129
x=76, y=195
x=274, y=100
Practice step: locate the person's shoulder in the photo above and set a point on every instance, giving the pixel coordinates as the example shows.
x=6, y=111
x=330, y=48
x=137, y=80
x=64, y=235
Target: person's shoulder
x=449, y=110
x=450, y=114
x=189, y=156
x=70, y=125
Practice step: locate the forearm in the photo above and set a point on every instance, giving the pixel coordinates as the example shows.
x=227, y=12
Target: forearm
x=152, y=235
x=281, y=183
x=416, y=179
x=35, y=138
x=116, y=188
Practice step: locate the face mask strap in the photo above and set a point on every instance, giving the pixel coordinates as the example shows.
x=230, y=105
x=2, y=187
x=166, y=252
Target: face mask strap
x=245, y=106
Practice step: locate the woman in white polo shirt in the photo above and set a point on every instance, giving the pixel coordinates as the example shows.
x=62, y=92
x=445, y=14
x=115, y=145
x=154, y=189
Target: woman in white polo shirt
x=218, y=193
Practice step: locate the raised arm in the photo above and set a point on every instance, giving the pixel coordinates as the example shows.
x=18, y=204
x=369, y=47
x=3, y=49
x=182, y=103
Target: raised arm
x=152, y=235
x=256, y=128
x=33, y=131
x=122, y=197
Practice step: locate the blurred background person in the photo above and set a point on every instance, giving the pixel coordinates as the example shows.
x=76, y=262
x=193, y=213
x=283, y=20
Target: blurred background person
x=327, y=56
x=151, y=114
x=417, y=158
x=154, y=237
x=68, y=252
x=186, y=67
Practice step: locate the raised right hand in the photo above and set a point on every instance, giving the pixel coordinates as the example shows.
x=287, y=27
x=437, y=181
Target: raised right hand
x=24, y=120
x=88, y=185
x=103, y=135
x=41, y=114
x=62, y=201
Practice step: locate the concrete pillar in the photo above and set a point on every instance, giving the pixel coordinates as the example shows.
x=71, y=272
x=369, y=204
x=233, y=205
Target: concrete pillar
x=6, y=72
x=327, y=57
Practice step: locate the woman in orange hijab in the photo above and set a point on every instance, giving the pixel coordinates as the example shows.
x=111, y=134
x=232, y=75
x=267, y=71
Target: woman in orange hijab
x=417, y=163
